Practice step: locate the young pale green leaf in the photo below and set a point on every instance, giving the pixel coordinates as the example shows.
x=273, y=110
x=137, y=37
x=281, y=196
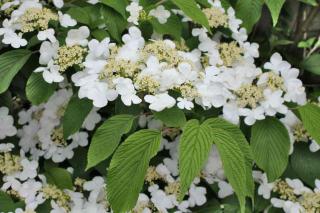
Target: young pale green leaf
x=128, y=168
x=172, y=27
x=305, y=163
x=75, y=114
x=59, y=177
x=10, y=64
x=191, y=9
x=275, y=7
x=233, y=161
x=173, y=117
x=237, y=135
x=194, y=148
x=107, y=137
x=270, y=143
x=119, y=6
x=249, y=11
x=312, y=64
x=38, y=90
x=310, y=116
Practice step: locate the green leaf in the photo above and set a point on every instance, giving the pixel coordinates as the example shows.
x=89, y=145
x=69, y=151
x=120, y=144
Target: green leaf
x=119, y=6
x=173, y=117
x=191, y=9
x=270, y=143
x=172, y=27
x=100, y=34
x=242, y=143
x=249, y=11
x=59, y=177
x=194, y=148
x=107, y=137
x=80, y=14
x=275, y=7
x=128, y=167
x=310, y=116
x=38, y=90
x=115, y=23
x=6, y=203
x=305, y=164
x=75, y=114
x=233, y=161
x=10, y=64
x=312, y=64
x=307, y=43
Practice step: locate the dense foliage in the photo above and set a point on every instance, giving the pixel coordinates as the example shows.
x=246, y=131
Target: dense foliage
x=159, y=106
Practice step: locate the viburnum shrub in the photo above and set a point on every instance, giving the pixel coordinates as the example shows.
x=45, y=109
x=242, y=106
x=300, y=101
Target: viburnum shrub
x=159, y=106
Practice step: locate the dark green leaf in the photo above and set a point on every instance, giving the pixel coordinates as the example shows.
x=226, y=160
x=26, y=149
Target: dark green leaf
x=118, y=5
x=310, y=116
x=38, y=90
x=270, y=143
x=312, y=64
x=172, y=27
x=75, y=114
x=10, y=64
x=173, y=117
x=249, y=11
x=59, y=177
x=191, y=9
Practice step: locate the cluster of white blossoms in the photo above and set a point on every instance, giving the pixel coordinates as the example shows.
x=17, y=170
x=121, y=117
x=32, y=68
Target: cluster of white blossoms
x=7, y=127
x=291, y=195
x=42, y=133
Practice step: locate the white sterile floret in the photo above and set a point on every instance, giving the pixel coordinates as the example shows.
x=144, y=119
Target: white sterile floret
x=6, y=147
x=14, y=39
x=47, y=34
x=58, y=3
x=7, y=128
x=92, y=119
x=125, y=88
x=78, y=36
x=265, y=188
x=134, y=10
x=160, y=102
x=287, y=206
x=225, y=189
x=197, y=195
x=276, y=63
x=160, y=13
x=66, y=20
x=50, y=73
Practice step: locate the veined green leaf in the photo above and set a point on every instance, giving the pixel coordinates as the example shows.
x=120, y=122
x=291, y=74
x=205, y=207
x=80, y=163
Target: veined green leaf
x=194, y=148
x=270, y=143
x=10, y=64
x=310, y=116
x=242, y=143
x=233, y=161
x=128, y=168
x=38, y=90
x=107, y=137
x=59, y=177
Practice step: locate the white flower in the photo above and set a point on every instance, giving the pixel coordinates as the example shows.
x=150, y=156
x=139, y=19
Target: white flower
x=297, y=185
x=287, y=206
x=6, y=147
x=184, y=103
x=276, y=63
x=295, y=91
x=273, y=102
x=58, y=3
x=124, y=86
x=15, y=40
x=134, y=9
x=92, y=119
x=160, y=13
x=48, y=50
x=47, y=34
x=197, y=196
x=92, y=1
x=264, y=188
x=314, y=146
x=51, y=73
x=6, y=124
x=160, y=199
x=251, y=115
x=225, y=189
x=159, y=102
x=66, y=20
x=78, y=36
